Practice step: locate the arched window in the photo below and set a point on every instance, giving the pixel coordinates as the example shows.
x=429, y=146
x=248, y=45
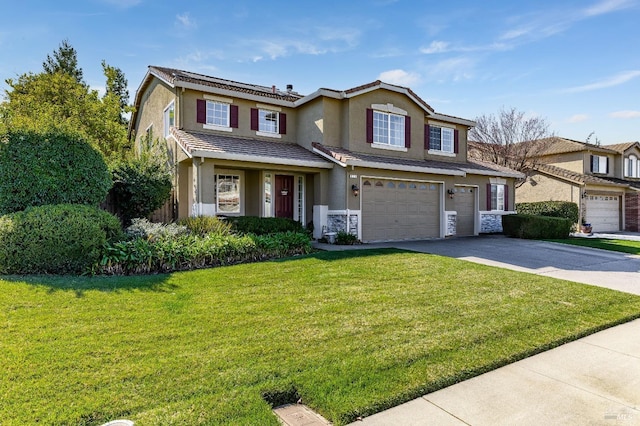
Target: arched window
x=631, y=167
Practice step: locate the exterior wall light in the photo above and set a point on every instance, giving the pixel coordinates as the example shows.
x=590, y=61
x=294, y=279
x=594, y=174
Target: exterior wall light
x=450, y=192
x=584, y=194
x=355, y=190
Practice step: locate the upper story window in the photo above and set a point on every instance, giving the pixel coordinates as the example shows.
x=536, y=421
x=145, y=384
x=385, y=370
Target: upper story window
x=169, y=119
x=217, y=115
x=442, y=139
x=599, y=164
x=268, y=122
x=388, y=129
x=631, y=166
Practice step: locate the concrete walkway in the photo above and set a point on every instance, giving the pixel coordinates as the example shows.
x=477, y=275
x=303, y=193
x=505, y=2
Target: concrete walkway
x=594, y=380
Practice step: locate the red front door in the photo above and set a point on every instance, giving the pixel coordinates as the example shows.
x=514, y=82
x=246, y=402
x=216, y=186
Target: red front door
x=284, y=196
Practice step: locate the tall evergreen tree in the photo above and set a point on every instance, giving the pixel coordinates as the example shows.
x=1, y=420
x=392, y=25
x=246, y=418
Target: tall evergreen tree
x=64, y=60
x=117, y=87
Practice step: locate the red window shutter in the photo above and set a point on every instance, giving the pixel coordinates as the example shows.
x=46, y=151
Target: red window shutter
x=282, y=123
x=369, y=125
x=427, y=130
x=506, y=198
x=254, y=119
x=201, y=111
x=489, y=197
x=233, y=116
x=407, y=132
x=456, y=141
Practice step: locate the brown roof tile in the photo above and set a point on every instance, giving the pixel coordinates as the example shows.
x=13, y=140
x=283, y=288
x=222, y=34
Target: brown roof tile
x=569, y=175
x=348, y=157
x=563, y=145
x=212, y=145
x=174, y=76
x=622, y=147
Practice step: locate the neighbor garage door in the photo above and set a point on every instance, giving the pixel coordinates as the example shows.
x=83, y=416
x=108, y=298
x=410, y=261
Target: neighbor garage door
x=603, y=212
x=399, y=210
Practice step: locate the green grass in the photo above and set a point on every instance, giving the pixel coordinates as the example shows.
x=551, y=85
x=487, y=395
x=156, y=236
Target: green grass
x=350, y=332
x=624, y=246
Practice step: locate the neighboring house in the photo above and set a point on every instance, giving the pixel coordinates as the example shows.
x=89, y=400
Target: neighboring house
x=603, y=180
x=375, y=160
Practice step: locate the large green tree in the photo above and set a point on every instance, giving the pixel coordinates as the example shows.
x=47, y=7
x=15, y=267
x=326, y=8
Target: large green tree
x=58, y=99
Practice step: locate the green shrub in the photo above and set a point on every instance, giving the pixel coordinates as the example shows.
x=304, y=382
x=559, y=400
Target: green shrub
x=62, y=238
x=50, y=168
x=535, y=227
x=203, y=225
x=565, y=209
x=140, y=186
x=345, y=239
x=143, y=255
x=263, y=225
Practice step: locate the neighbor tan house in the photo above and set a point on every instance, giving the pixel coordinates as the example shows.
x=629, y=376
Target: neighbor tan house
x=375, y=161
x=603, y=180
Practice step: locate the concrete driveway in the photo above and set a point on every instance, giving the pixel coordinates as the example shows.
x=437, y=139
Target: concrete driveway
x=603, y=268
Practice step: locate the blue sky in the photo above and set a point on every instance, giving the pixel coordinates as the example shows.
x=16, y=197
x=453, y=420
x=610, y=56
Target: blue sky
x=575, y=63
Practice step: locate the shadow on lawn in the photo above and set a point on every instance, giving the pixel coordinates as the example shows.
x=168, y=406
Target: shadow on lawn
x=80, y=284
x=330, y=256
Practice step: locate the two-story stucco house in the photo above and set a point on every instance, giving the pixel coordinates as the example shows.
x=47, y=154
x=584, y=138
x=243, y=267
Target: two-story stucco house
x=375, y=160
x=603, y=180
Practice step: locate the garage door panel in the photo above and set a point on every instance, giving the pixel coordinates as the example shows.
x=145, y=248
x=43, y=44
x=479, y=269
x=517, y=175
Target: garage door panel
x=603, y=212
x=400, y=210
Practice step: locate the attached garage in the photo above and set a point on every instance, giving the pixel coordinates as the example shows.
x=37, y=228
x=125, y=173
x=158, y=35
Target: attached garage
x=603, y=212
x=400, y=210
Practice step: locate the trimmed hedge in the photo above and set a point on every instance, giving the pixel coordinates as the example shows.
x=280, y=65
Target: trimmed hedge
x=565, y=209
x=60, y=239
x=50, y=168
x=263, y=225
x=535, y=227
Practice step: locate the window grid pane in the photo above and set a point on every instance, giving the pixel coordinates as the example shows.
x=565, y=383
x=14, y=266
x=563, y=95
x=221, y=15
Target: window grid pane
x=447, y=140
x=228, y=194
x=396, y=130
x=218, y=114
x=435, y=137
x=380, y=127
x=268, y=121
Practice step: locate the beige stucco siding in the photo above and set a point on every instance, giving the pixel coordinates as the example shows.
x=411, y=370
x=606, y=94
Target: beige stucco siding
x=311, y=123
x=540, y=187
x=156, y=97
x=189, y=116
x=573, y=161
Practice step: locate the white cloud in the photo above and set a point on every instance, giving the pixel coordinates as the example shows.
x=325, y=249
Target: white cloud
x=615, y=80
x=607, y=6
x=577, y=118
x=435, y=47
x=625, y=114
x=185, y=21
x=399, y=77
x=455, y=69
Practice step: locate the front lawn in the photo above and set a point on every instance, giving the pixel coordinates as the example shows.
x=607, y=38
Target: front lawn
x=351, y=333
x=624, y=246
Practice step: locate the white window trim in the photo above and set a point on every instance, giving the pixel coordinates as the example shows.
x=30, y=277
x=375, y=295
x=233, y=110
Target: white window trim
x=240, y=174
x=389, y=108
x=378, y=145
x=276, y=133
x=631, y=166
x=269, y=134
x=166, y=128
x=498, y=209
x=451, y=153
x=389, y=144
x=211, y=126
x=602, y=164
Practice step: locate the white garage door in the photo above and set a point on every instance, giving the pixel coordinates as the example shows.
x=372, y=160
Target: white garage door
x=603, y=212
x=399, y=210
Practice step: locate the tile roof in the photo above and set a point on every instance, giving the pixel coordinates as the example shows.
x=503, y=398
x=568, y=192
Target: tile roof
x=175, y=76
x=575, y=177
x=633, y=183
x=622, y=147
x=559, y=145
x=430, y=166
x=211, y=145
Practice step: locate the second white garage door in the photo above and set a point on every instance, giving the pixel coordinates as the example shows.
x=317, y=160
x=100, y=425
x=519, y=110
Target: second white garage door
x=603, y=212
x=399, y=210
